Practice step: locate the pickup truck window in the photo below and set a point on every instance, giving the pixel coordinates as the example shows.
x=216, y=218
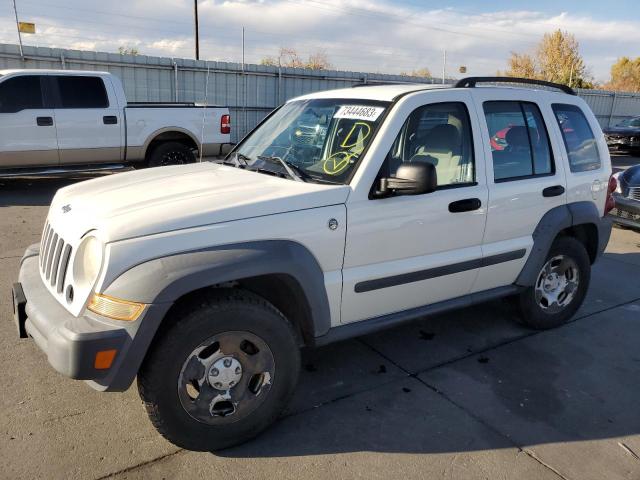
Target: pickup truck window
x=519, y=141
x=578, y=138
x=440, y=134
x=82, y=92
x=20, y=93
x=323, y=139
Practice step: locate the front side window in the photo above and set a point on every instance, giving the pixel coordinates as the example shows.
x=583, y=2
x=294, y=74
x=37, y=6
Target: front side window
x=519, y=141
x=320, y=139
x=578, y=137
x=439, y=134
x=82, y=92
x=20, y=93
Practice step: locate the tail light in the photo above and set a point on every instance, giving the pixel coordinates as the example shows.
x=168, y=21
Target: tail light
x=225, y=124
x=610, y=203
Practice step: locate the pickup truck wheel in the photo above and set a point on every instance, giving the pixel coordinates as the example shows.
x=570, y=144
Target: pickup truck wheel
x=221, y=373
x=171, y=153
x=560, y=286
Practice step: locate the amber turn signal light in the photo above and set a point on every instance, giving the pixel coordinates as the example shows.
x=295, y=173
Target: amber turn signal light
x=104, y=359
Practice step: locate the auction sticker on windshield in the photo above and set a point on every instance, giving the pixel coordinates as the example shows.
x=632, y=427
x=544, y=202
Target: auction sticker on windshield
x=359, y=112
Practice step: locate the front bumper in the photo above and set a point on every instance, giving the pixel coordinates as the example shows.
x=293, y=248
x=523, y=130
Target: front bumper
x=626, y=212
x=623, y=142
x=70, y=343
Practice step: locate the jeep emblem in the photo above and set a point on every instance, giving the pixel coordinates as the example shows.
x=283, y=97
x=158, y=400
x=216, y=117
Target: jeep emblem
x=66, y=208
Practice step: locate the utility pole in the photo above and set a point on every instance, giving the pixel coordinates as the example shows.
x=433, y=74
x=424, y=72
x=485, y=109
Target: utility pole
x=195, y=13
x=444, y=66
x=15, y=10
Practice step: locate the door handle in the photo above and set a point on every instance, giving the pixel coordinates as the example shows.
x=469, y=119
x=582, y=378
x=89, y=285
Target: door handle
x=553, y=191
x=466, y=205
x=44, y=121
x=110, y=120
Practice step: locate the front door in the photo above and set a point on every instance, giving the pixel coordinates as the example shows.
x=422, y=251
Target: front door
x=404, y=252
x=88, y=123
x=27, y=127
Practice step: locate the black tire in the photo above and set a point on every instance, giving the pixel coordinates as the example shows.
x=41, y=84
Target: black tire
x=171, y=153
x=217, y=313
x=532, y=312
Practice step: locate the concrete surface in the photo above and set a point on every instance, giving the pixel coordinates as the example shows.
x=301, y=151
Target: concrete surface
x=466, y=395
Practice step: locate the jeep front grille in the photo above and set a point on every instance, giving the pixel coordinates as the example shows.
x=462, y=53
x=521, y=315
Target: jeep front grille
x=634, y=193
x=54, y=258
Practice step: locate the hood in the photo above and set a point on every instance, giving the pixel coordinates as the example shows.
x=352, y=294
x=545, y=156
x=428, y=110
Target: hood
x=622, y=130
x=157, y=200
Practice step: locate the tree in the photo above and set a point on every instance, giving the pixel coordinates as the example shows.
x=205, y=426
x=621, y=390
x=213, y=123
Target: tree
x=421, y=72
x=556, y=59
x=625, y=75
x=124, y=50
x=289, y=57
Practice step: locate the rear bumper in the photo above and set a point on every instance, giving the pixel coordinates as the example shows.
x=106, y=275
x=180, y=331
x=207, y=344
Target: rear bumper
x=71, y=343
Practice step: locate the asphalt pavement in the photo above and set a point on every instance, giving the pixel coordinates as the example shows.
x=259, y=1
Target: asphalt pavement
x=466, y=395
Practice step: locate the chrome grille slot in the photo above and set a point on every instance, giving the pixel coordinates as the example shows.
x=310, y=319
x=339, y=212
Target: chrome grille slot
x=56, y=262
x=50, y=254
x=64, y=263
x=634, y=193
x=47, y=249
x=45, y=242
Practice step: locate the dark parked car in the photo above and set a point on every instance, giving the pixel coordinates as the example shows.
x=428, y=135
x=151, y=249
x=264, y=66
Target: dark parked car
x=627, y=198
x=624, y=136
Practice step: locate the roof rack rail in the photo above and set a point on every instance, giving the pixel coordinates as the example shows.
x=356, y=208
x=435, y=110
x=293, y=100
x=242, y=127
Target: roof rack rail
x=470, y=82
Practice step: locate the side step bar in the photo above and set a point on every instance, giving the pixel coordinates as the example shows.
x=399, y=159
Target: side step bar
x=56, y=171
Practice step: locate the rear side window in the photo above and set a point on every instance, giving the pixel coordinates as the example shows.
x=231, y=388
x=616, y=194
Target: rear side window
x=519, y=141
x=579, y=140
x=82, y=92
x=20, y=93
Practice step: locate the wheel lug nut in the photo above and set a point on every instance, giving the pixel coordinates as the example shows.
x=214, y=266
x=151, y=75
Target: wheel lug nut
x=215, y=372
x=227, y=362
x=237, y=370
x=217, y=384
x=232, y=383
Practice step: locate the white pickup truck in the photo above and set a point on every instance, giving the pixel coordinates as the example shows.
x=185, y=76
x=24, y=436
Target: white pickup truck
x=73, y=120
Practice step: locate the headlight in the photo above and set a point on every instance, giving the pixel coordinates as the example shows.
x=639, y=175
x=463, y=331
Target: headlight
x=88, y=261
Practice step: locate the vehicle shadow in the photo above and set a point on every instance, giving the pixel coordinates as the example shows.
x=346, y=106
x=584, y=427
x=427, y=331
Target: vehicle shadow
x=34, y=191
x=468, y=381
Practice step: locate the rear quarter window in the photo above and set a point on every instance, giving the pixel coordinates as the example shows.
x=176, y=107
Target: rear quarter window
x=579, y=140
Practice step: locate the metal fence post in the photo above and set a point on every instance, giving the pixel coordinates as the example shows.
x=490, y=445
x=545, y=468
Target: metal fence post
x=613, y=107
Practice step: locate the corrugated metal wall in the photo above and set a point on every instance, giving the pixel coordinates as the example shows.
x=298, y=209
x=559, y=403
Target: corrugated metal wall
x=250, y=93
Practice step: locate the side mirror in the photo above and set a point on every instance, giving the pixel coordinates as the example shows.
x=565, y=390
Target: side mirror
x=411, y=179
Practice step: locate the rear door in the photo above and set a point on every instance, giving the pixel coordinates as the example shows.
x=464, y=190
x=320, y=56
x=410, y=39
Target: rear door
x=525, y=174
x=27, y=127
x=87, y=119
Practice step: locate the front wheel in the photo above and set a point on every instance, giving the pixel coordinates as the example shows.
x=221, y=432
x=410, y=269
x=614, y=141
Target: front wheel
x=221, y=373
x=560, y=286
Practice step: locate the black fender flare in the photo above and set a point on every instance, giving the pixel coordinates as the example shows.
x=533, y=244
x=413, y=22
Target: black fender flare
x=551, y=224
x=162, y=281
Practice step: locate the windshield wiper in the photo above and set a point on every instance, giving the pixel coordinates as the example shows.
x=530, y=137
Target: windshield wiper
x=293, y=170
x=236, y=160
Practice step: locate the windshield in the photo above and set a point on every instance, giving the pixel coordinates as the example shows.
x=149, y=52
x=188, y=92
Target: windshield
x=319, y=140
x=630, y=122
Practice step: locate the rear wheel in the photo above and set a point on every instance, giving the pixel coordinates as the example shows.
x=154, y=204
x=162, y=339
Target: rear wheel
x=222, y=373
x=171, y=153
x=560, y=286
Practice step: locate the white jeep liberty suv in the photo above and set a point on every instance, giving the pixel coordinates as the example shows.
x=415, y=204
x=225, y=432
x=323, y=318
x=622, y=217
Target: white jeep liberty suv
x=343, y=212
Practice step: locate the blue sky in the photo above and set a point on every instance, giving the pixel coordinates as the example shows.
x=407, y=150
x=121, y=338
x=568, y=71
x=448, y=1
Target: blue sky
x=363, y=35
